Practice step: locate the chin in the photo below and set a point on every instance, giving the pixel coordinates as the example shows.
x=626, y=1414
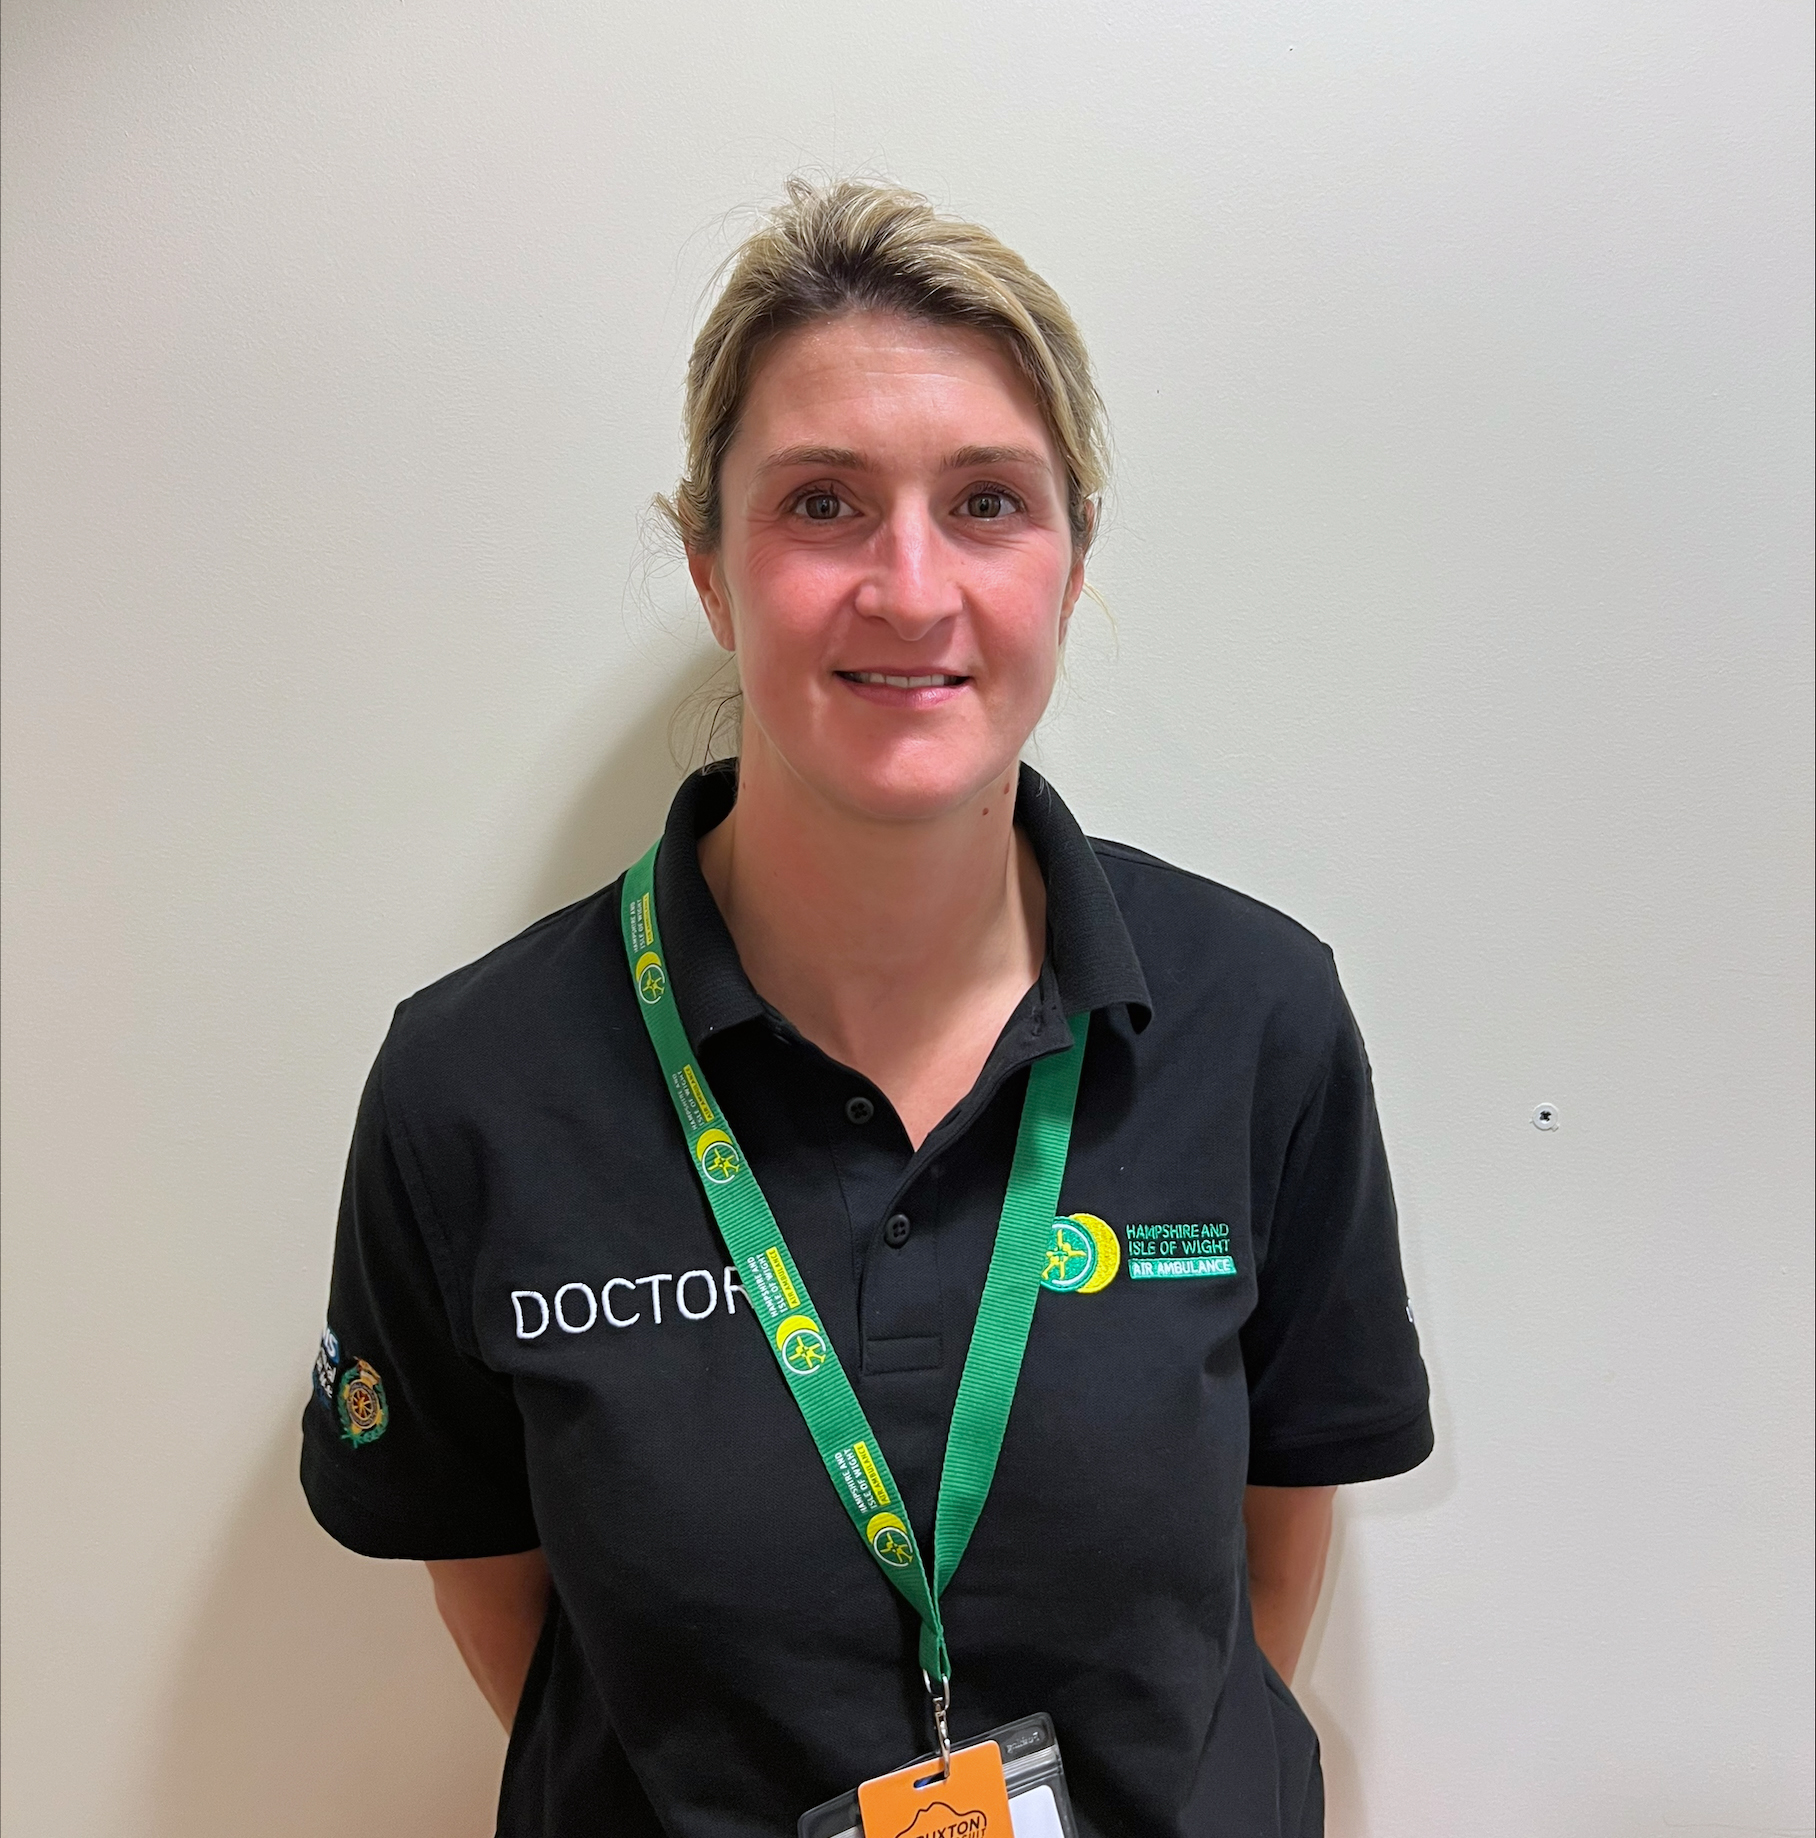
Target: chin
x=873, y=769
x=909, y=790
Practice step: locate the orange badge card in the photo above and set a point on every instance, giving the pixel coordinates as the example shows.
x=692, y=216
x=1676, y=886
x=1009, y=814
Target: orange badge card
x=918, y=1802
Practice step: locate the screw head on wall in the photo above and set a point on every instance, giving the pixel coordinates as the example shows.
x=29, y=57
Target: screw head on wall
x=1544, y=1117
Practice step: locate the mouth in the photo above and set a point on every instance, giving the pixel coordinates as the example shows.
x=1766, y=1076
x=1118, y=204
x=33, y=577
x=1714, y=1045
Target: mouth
x=879, y=679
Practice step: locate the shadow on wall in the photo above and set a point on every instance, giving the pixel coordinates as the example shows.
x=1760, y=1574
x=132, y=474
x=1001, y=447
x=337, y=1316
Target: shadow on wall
x=1335, y=1682
x=317, y=1690
x=1343, y=1808
x=619, y=811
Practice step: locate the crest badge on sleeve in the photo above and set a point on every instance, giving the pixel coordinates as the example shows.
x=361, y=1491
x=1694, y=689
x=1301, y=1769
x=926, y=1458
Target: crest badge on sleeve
x=360, y=1398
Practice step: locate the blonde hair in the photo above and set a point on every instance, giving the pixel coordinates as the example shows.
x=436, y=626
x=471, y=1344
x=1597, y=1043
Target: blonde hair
x=852, y=246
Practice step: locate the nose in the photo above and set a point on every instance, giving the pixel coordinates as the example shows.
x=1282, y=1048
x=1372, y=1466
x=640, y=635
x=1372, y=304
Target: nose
x=913, y=583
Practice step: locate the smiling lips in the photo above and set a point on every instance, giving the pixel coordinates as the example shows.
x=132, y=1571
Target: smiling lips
x=881, y=679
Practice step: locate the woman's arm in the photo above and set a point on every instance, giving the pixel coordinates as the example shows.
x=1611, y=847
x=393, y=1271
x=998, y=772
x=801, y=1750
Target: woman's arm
x=1288, y=1539
x=493, y=1606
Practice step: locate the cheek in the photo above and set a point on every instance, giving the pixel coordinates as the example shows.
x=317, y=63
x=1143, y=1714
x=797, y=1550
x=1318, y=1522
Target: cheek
x=785, y=595
x=784, y=607
x=1019, y=606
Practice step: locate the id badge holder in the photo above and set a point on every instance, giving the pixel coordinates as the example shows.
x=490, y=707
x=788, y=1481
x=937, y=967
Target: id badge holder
x=1033, y=1781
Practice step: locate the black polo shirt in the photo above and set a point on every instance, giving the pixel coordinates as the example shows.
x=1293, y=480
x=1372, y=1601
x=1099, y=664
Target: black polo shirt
x=534, y=1338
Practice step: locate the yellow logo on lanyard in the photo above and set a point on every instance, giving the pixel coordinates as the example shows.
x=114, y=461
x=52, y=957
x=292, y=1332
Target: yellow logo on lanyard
x=717, y=1155
x=802, y=1346
x=649, y=978
x=889, y=1540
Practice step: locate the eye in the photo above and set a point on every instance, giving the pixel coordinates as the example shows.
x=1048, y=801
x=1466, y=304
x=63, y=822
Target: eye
x=988, y=503
x=820, y=505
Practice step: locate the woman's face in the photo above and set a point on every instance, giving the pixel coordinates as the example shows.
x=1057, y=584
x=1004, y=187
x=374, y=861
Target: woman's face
x=895, y=568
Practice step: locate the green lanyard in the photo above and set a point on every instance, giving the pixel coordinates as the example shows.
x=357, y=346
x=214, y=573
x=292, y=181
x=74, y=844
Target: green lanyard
x=793, y=1326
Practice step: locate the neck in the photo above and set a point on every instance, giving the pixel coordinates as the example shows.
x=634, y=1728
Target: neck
x=898, y=947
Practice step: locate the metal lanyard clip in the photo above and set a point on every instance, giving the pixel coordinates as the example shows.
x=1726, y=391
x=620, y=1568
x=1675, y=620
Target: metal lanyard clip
x=940, y=1697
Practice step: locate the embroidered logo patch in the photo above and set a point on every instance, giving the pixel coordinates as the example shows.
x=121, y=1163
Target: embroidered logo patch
x=1082, y=1255
x=327, y=1363
x=1179, y=1249
x=360, y=1398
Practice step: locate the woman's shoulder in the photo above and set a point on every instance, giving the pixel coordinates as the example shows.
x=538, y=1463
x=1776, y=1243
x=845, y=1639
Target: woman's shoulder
x=1189, y=929
x=526, y=999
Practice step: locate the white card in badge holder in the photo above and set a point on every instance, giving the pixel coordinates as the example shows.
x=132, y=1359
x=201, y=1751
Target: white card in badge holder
x=1034, y=1814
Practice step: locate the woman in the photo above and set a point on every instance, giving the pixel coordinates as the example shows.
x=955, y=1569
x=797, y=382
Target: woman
x=878, y=1065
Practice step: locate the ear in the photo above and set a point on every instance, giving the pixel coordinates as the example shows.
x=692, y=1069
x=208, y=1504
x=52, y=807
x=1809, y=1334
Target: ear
x=1075, y=578
x=1075, y=585
x=709, y=584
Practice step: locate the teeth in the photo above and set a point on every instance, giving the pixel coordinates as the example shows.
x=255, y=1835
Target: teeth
x=902, y=682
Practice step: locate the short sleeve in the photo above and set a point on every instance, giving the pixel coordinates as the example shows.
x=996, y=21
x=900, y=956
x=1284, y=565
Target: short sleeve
x=1337, y=1390
x=411, y=1446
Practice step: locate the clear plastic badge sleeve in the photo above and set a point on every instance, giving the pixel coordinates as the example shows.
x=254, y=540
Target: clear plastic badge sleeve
x=1038, y=1803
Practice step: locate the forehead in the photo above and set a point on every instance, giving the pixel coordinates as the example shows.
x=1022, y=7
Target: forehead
x=877, y=380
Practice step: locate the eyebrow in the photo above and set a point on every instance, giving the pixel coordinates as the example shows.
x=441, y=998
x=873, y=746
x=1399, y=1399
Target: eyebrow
x=844, y=459
x=994, y=456
x=849, y=459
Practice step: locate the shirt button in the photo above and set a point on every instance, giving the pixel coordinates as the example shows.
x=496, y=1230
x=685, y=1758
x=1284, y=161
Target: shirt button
x=859, y=1110
x=895, y=1230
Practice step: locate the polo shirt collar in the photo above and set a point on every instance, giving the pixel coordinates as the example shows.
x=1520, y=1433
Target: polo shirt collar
x=1091, y=961
x=1088, y=945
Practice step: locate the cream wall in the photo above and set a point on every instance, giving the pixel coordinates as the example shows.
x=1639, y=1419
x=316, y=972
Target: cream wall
x=1460, y=571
